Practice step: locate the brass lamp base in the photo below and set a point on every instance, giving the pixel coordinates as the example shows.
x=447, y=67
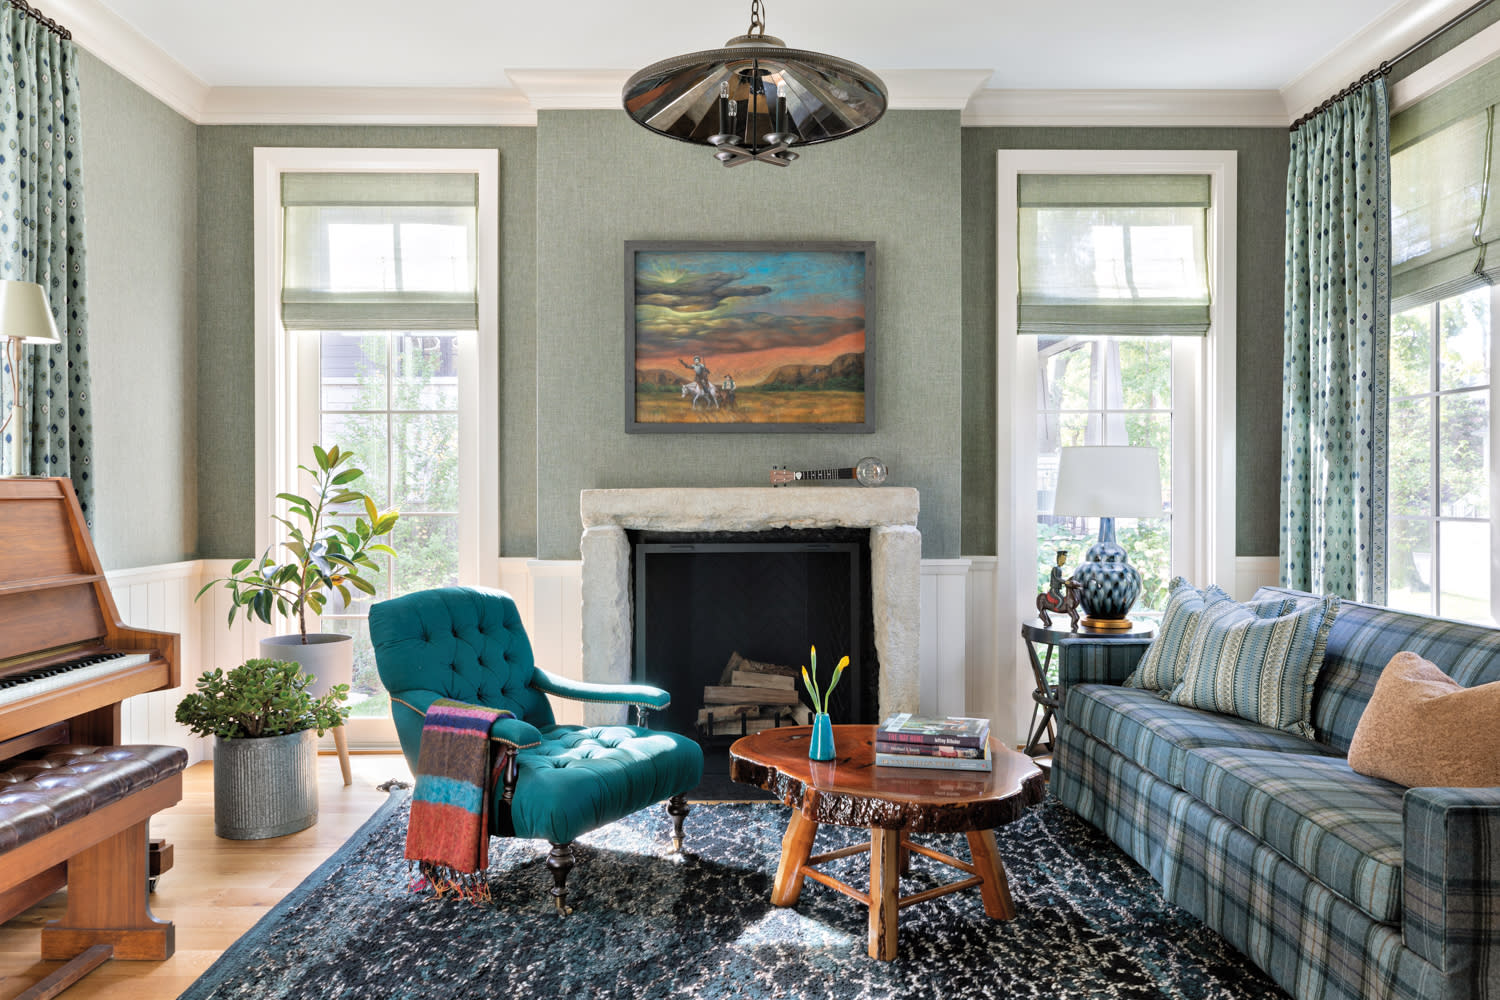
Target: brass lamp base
x=1108, y=624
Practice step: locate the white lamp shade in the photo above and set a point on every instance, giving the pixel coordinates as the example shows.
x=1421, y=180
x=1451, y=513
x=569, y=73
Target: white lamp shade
x=1108, y=481
x=25, y=315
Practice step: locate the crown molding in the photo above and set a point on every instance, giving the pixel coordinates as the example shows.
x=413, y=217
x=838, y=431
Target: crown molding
x=1126, y=108
x=570, y=89
x=116, y=43
x=1385, y=37
x=933, y=89
x=366, y=106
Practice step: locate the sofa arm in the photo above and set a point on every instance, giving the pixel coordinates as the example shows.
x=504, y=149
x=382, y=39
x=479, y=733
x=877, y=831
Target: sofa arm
x=1450, y=877
x=610, y=694
x=1085, y=660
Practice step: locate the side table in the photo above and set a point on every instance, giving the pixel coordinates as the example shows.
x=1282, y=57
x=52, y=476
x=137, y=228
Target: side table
x=1043, y=715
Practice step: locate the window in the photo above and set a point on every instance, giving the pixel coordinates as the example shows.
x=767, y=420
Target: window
x=1445, y=256
x=376, y=305
x=1439, y=479
x=1115, y=326
x=1110, y=391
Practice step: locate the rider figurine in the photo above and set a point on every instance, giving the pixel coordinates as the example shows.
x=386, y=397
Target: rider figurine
x=700, y=375
x=1054, y=595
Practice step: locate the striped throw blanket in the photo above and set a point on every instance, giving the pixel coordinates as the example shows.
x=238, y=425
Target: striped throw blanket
x=448, y=835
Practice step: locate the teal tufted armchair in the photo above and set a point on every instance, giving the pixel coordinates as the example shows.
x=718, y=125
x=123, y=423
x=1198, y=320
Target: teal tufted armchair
x=468, y=644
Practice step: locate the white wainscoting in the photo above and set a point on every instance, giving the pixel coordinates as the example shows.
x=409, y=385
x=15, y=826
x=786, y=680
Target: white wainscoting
x=1253, y=572
x=161, y=597
x=967, y=667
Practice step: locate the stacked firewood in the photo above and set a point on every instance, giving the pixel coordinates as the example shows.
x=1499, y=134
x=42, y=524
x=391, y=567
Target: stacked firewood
x=751, y=696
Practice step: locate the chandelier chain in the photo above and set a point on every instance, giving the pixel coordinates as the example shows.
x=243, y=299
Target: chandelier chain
x=757, y=18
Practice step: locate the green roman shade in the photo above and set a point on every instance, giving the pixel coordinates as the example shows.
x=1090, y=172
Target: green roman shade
x=1443, y=225
x=1120, y=255
x=379, y=251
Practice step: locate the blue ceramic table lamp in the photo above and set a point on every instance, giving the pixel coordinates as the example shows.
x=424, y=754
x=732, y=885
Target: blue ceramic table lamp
x=1107, y=481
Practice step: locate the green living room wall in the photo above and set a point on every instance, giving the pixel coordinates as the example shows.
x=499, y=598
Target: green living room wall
x=1261, y=166
x=605, y=180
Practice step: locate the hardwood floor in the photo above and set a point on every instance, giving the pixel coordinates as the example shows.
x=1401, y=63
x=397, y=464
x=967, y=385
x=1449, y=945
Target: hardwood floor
x=217, y=890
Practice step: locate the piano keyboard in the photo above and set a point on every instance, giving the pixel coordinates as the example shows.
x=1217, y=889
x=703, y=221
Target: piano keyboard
x=30, y=683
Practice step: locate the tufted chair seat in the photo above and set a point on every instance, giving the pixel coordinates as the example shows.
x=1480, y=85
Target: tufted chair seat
x=468, y=644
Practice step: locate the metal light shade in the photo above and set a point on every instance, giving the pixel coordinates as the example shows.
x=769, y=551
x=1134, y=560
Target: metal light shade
x=25, y=315
x=825, y=98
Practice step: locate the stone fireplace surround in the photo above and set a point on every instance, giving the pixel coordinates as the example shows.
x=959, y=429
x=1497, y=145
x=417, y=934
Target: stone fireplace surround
x=890, y=514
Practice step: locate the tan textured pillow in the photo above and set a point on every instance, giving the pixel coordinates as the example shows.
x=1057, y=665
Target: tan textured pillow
x=1422, y=729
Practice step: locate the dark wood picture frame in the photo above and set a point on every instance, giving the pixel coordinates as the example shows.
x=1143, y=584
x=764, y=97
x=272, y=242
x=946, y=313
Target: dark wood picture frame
x=796, y=318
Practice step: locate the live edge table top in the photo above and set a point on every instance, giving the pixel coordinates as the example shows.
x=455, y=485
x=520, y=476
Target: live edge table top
x=851, y=790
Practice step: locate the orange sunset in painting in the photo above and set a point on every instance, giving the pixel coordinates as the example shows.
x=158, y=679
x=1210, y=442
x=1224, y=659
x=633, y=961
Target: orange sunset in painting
x=754, y=336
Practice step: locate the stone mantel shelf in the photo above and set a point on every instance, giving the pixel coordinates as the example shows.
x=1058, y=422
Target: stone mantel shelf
x=889, y=512
x=749, y=508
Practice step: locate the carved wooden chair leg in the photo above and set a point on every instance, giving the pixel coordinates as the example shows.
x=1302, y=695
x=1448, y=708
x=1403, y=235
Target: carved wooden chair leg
x=560, y=862
x=678, y=809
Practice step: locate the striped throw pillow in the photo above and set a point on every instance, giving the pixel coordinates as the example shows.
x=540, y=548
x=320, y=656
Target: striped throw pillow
x=1261, y=669
x=1162, y=664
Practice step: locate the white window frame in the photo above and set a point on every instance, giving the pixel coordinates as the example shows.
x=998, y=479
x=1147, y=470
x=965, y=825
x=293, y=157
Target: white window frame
x=1493, y=398
x=1203, y=484
x=278, y=411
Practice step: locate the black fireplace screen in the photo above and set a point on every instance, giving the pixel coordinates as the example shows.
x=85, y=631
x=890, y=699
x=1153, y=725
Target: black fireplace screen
x=698, y=603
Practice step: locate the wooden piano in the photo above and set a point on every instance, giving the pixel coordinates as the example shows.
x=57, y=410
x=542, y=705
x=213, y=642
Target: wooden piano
x=66, y=661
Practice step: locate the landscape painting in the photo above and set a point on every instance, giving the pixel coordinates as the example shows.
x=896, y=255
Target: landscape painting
x=726, y=337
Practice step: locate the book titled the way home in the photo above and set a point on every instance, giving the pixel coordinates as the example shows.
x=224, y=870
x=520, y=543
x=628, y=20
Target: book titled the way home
x=953, y=731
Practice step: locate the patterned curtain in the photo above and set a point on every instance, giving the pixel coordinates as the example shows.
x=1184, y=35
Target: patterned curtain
x=41, y=240
x=1333, y=432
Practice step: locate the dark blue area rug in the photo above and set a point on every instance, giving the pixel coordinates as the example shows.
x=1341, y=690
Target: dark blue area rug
x=649, y=924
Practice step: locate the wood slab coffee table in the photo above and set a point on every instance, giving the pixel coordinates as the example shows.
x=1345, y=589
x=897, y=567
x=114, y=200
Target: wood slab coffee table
x=894, y=802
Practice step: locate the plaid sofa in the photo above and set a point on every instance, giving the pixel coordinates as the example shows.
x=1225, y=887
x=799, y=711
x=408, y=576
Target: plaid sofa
x=1339, y=886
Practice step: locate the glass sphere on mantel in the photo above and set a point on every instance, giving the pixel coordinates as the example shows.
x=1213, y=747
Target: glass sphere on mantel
x=870, y=472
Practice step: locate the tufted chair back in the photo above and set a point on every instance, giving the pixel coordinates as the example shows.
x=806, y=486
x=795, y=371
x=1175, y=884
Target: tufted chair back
x=465, y=643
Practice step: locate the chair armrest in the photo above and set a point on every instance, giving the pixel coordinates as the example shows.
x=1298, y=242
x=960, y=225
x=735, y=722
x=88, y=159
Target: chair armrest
x=609, y=694
x=517, y=733
x=1088, y=661
x=1450, y=876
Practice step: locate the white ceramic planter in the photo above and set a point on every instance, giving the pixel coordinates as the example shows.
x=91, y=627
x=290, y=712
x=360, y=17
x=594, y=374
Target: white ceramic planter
x=328, y=657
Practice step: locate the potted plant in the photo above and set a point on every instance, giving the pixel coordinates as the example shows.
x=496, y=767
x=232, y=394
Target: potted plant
x=265, y=722
x=326, y=552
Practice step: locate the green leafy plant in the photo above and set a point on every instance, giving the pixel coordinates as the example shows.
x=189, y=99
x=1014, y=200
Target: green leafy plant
x=820, y=699
x=329, y=553
x=260, y=698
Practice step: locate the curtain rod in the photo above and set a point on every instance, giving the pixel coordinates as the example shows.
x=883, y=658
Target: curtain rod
x=1385, y=67
x=40, y=18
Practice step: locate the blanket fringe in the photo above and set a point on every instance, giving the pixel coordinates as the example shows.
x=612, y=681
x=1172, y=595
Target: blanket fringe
x=445, y=881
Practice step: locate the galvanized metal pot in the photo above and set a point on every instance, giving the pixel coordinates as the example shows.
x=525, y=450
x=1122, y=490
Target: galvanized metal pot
x=265, y=787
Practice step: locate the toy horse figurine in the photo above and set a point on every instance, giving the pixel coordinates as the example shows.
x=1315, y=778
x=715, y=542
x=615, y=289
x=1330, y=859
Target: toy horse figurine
x=1055, y=598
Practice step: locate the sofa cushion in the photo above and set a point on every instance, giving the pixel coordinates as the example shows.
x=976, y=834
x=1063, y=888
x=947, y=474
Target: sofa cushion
x=1363, y=640
x=1157, y=735
x=1422, y=729
x=1262, y=669
x=1163, y=661
x=1342, y=828
x=579, y=779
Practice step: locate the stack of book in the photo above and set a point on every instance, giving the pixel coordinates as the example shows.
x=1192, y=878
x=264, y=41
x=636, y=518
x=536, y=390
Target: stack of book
x=951, y=743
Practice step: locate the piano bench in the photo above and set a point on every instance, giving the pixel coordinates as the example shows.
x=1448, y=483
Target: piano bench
x=83, y=810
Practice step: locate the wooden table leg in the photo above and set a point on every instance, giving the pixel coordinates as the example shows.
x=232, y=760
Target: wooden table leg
x=341, y=745
x=987, y=865
x=795, y=848
x=885, y=875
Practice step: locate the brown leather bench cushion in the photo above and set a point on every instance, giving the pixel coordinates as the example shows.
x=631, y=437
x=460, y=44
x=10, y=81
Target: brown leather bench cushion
x=59, y=784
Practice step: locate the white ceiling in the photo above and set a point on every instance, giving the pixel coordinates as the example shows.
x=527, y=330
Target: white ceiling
x=1063, y=44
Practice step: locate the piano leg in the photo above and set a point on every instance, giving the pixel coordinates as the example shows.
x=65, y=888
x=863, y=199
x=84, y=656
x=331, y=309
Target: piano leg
x=107, y=896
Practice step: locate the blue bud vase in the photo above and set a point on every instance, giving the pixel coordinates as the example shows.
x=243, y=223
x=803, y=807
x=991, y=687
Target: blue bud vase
x=820, y=747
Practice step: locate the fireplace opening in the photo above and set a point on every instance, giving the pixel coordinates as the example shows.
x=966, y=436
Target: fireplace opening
x=767, y=597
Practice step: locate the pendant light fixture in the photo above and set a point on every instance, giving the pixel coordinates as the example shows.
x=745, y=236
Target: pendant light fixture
x=755, y=99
